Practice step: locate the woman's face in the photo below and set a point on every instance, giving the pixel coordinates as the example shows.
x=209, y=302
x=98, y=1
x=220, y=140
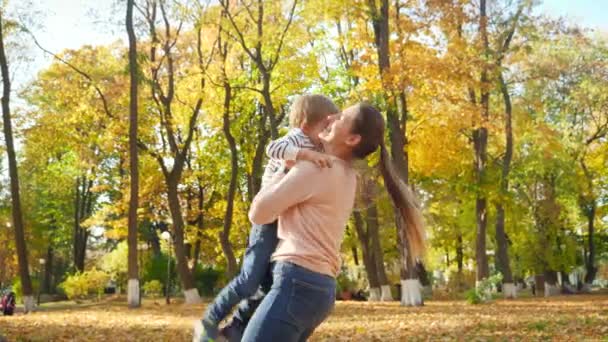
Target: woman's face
x=339, y=132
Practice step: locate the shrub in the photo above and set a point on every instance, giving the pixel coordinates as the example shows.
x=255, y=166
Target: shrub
x=156, y=269
x=473, y=297
x=153, y=288
x=115, y=263
x=483, y=292
x=206, y=278
x=345, y=284
x=83, y=285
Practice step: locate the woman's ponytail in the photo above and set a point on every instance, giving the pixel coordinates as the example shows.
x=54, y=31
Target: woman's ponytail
x=407, y=207
x=369, y=124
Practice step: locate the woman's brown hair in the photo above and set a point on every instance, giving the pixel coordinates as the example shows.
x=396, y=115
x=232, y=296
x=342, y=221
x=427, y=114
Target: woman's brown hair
x=369, y=124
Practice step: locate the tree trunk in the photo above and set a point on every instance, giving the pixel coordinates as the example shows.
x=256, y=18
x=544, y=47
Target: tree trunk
x=133, y=296
x=411, y=294
x=225, y=234
x=83, y=206
x=48, y=271
x=480, y=140
x=459, y=253
x=368, y=257
x=355, y=255
x=17, y=215
x=590, y=260
x=179, y=140
x=269, y=106
x=551, y=285
x=398, y=137
x=588, y=203
x=502, y=244
x=76, y=235
x=190, y=291
x=154, y=240
x=199, y=226
x=376, y=247
x=257, y=167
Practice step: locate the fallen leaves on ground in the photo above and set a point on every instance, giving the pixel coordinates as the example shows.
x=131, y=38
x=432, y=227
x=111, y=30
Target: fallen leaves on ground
x=581, y=317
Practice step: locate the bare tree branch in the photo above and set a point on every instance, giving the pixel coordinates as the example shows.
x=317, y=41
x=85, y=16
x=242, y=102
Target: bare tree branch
x=240, y=38
x=80, y=72
x=282, y=38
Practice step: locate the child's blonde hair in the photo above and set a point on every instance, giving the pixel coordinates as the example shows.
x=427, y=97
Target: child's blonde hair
x=311, y=109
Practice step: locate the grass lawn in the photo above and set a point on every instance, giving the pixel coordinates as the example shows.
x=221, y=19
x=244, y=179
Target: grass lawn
x=562, y=318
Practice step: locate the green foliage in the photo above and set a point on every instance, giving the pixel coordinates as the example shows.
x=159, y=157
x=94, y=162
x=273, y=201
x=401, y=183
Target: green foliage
x=153, y=288
x=115, y=263
x=483, y=291
x=206, y=279
x=473, y=296
x=345, y=283
x=85, y=284
x=156, y=269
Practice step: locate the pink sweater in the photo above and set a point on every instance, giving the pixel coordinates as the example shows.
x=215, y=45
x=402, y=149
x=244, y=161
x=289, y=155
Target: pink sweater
x=313, y=206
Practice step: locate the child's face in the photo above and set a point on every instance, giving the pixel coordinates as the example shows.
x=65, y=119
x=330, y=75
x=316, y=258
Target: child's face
x=313, y=131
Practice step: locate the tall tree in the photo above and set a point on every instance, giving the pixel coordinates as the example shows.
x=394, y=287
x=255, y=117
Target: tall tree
x=234, y=162
x=83, y=208
x=133, y=294
x=502, y=244
x=480, y=143
x=17, y=215
x=367, y=227
x=396, y=126
x=176, y=139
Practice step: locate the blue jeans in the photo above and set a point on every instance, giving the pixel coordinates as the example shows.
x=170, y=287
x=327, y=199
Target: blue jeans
x=255, y=269
x=298, y=302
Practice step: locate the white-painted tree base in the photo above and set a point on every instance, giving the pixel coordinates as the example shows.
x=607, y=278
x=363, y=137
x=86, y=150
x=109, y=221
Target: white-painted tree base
x=386, y=295
x=374, y=294
x=191, y=296
x=197, y=334
x=509, y=290
x=552, y=290
x=29, y=304
x=410, y=292
x=133, y=297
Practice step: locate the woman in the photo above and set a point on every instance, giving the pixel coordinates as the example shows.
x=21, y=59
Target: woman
x=313, y=206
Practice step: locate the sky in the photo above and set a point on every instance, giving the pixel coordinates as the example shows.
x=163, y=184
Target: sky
x=73, y=23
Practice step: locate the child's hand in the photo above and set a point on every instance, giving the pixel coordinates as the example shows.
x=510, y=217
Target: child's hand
x=289, y=164
x=320, y=159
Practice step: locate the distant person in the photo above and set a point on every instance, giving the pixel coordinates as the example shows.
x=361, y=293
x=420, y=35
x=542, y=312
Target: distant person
x=8, y=303
x=308, y=117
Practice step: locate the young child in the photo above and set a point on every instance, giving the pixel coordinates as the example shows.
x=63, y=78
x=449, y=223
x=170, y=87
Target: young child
x=308, y=117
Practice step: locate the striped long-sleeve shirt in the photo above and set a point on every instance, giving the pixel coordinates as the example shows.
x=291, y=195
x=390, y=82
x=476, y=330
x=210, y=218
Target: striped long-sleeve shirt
x=285, y=148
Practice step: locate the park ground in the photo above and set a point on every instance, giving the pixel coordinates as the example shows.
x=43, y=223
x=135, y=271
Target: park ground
x=561, y=318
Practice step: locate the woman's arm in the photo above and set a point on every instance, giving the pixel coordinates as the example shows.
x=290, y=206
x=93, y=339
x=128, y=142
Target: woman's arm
x=285, y=191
